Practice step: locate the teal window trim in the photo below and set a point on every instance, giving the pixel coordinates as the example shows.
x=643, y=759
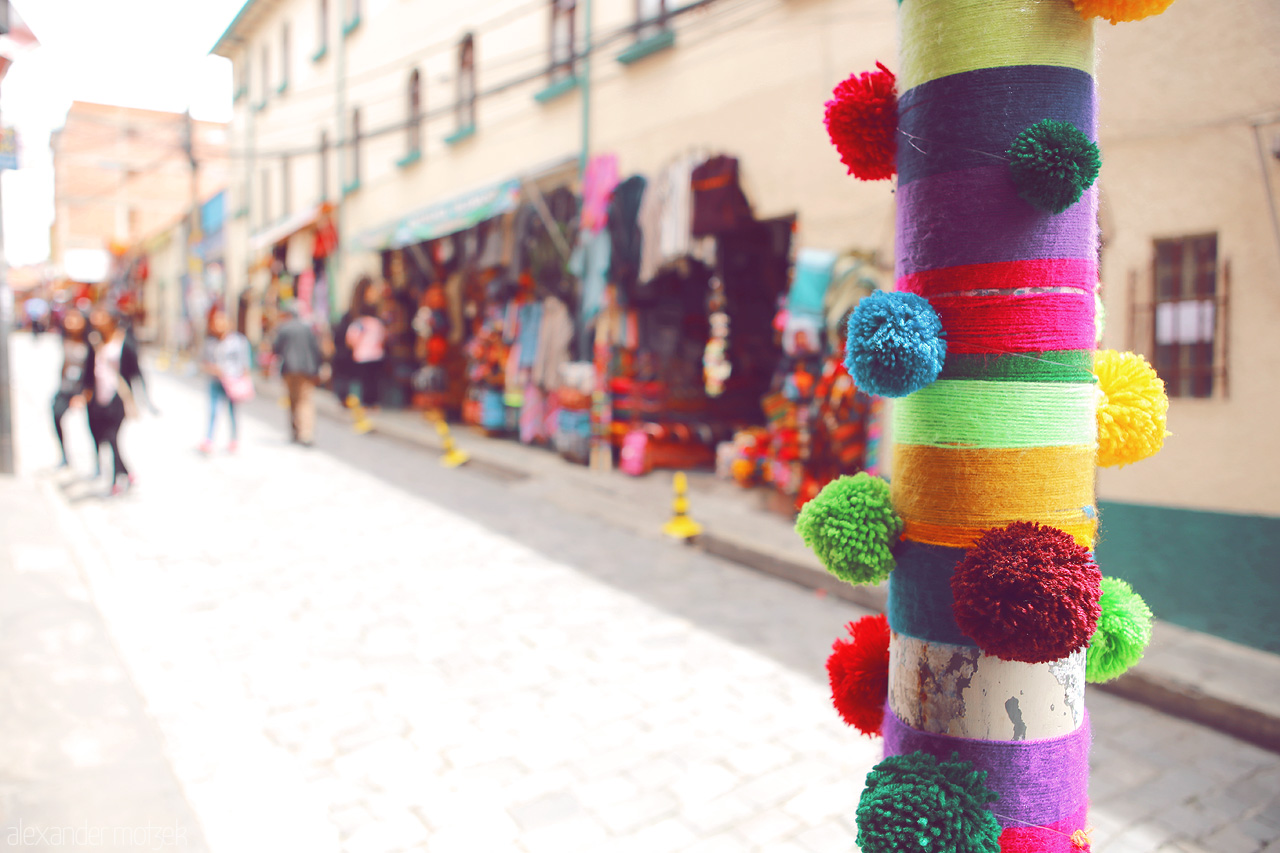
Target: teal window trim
x=260, y=106
x=648, y=46
x=239, y=94
x=240, y=213
x=460, y=134
x=348, y=189
x=351, y=26
x=321, y=53
x=409, y=159
x=283, y=87
x=559, y=88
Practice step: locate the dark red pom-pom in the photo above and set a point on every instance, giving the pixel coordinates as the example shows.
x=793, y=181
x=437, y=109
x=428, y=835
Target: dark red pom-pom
x=859, y=673
x=1027, y=592
x=862, y=121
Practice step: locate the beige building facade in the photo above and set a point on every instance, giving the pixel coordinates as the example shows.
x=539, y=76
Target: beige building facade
x=368, y=105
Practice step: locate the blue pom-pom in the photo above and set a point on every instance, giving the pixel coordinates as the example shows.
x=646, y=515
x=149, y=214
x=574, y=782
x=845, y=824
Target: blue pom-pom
x=895, y=344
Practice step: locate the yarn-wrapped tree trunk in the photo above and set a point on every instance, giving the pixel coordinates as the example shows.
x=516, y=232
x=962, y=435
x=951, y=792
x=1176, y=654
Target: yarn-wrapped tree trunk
x=997, y=612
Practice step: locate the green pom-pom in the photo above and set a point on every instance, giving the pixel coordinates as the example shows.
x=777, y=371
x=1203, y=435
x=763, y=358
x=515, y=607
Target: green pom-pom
x=1053, y=163
x=915, y=802
x=1124, y=630
x=851, y=526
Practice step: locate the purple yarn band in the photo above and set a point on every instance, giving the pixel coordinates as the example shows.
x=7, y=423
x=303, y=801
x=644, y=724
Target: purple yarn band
x=969, y=120
x=1040, y=781
x=975, y=216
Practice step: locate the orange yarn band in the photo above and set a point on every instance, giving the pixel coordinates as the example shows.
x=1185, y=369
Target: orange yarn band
x=950, y=496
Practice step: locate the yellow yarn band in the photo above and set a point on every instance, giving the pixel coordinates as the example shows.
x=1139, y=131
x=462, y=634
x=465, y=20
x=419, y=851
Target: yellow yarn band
x=973, y=489
x=944, y=37
x=1084, y=532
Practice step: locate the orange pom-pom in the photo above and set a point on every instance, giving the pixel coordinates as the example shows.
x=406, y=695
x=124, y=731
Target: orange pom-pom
x=862, y=121
x=1116, y=11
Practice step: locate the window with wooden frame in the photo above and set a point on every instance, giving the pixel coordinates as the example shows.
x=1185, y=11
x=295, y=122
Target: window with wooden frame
x=285, y=56
x=561, y=61
x=414, y=125
x=266, y=73
x=651, y=18
x=324, y=165
x=465, y=108
x=286, y=187
x=355, y=150
x=1187, y=305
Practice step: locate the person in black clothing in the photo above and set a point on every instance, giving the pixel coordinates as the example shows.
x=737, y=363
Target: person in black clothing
x=75, y=353
x=111, y=367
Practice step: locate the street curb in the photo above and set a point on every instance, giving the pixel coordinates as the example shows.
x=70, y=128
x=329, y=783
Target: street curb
x=1153, y=689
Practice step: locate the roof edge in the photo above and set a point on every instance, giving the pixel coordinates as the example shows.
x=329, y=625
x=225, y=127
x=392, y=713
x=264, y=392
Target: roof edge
x=228, y=32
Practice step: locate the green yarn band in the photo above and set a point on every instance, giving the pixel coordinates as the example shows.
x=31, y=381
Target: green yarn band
x=977, y=413
x=996, y=34
x=1054, y=366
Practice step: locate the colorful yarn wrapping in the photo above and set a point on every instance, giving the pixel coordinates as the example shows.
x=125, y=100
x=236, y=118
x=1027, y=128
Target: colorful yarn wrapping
x=978, y=413
x=895, y=344
x=1027, y=593
x=1040, y=782
x=1053, y=163
x=969, y=120
x=916, y=802
x=862, y=121
x=858, y=670
x=1133, y=408
x=1054, y=837
x=851, y=526
x=1016, y=322
x=920, y=603
x=1124, y=630
x=1117, y=11
x=1049, y=366
x=996, y=35
x=975, y=216
x=986, y=488
x=1074, y=273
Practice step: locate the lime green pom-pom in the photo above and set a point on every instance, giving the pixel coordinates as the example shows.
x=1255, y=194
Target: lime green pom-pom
x=915, y=802
x=1053, y=163
x=1124, y=630
x=852, y=528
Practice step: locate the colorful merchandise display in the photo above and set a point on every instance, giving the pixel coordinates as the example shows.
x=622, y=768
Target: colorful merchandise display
x=997, y=612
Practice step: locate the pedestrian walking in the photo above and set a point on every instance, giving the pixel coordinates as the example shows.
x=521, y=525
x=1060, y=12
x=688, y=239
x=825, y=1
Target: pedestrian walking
x=367, y=338
x=111, y=365
x=227, y=362
x=297, y=350
x=75, y=354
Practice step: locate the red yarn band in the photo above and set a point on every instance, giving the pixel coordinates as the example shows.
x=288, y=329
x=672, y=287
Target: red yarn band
x=1076, y=273
x=1032, y=322
x=1051, y=838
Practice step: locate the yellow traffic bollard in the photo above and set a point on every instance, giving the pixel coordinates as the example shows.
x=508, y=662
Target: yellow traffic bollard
x=359, y=420
x=681, y=526
x=453, y=457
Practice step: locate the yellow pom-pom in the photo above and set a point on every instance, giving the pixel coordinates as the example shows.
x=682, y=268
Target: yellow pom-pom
x=1116, y=11
x=1133, y=408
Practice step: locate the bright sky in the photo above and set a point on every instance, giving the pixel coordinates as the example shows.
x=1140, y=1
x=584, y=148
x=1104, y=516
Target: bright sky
x=137, y=53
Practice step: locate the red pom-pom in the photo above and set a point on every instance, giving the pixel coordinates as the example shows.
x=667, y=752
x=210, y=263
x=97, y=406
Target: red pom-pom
x=862, y=121
x=859, y=673
x=1027, y=592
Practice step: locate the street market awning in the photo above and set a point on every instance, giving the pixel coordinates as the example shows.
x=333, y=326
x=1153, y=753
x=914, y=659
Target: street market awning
x=443, y=218
x=268, y=237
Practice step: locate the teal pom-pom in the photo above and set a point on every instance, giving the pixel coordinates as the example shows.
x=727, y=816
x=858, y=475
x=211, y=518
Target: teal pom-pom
x=1053, y=163
x=852, y=528
x=895, y=344
x=1124, y=630
x=915, y=802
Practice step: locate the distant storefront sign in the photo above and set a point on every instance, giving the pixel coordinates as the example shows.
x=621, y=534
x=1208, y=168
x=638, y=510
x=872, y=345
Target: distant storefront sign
x=8, y=148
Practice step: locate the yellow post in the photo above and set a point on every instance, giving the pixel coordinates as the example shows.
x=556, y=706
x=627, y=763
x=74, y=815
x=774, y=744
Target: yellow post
x=681, y=526
x=359, y=420
x=453, y=457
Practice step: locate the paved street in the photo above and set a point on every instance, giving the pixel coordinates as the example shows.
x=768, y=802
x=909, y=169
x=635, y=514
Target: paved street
x=355, y=649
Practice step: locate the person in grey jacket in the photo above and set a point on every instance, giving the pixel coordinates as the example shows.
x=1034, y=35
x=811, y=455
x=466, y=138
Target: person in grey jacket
x=301, y=360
